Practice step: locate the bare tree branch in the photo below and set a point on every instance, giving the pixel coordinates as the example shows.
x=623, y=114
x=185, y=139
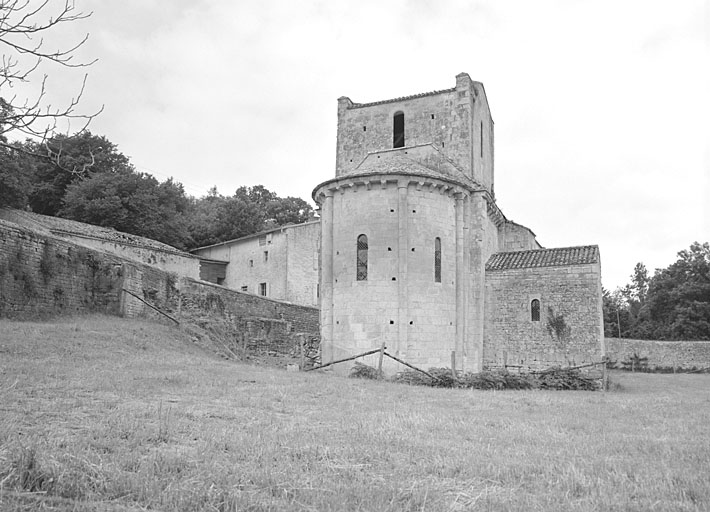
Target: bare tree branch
x=23, y=27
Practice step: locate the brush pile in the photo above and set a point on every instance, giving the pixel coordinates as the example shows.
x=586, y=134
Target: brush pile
x=556, y=378
x=363, y=371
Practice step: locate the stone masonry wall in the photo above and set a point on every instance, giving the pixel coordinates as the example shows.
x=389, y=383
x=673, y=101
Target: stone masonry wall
x=569, y=331
x=399, y=304
x=43, y=275
x=222, y=302
x=517, y=238
x=302, y=265
x=457, y=121
x=685, y=355
x=252, y=261
x=181, y=263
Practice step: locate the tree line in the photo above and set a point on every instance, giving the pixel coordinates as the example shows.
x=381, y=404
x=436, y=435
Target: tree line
x=84, y=177
x=671, y=304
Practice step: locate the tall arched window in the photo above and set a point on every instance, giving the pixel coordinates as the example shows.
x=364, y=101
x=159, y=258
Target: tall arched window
x=535, y=310
x=437, y=260
x=398, y=140
x=362, y=258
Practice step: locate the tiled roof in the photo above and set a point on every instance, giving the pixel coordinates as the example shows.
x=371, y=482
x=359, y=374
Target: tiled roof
x=402, y=98
x=558, y=257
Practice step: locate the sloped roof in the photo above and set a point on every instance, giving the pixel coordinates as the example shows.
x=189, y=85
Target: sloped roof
x=405, y=161
x=65, y=227
x=557, y=257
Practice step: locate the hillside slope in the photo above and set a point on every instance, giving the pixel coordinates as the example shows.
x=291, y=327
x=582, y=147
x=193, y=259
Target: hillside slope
x=101, y=413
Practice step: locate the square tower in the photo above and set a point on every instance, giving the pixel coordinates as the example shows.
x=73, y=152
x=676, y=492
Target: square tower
x=457, y=122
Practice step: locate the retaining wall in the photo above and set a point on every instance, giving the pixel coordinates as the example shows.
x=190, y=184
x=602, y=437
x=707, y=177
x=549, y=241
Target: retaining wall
x=42, y=275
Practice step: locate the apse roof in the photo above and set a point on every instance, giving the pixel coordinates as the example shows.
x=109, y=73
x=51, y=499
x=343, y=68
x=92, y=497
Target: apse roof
x=408, y=160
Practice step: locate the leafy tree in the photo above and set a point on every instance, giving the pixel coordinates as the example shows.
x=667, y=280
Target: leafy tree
x=288, y=210
x=15, y=172
x=679, y=297
x=633, y=296
x=673, y=304
x=616, y=314
x=132, y=202
x=216, y=218
x=258, y=194
x=72, y=159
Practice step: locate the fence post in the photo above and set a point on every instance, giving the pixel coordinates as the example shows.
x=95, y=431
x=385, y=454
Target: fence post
x=303, y=355
x=379, y=364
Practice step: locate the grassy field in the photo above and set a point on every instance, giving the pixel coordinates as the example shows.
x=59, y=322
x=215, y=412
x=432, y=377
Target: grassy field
x=100, y=413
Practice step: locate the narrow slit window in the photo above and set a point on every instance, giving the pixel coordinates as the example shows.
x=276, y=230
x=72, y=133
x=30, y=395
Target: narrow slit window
x=481, y=139
x=362, y=249
x=437, y=260
x=398, y=141
x=535, y=310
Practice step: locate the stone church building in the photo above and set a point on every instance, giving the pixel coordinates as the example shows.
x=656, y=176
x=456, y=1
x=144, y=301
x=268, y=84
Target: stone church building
x=416, y=254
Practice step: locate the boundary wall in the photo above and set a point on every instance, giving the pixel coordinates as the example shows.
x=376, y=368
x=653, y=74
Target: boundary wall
x=685, y=355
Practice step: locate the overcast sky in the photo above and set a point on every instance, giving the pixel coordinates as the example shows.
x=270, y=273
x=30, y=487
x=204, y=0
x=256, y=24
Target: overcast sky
x=601, y=107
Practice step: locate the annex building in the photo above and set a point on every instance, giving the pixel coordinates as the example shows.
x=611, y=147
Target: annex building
x=280, y=263
x=416, y=254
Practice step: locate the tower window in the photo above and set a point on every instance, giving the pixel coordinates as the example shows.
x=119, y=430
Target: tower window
x=437, y=260
x=362, y=249
x=481, y=139
x=262, y=289
x=398, y=141
x=535, y=310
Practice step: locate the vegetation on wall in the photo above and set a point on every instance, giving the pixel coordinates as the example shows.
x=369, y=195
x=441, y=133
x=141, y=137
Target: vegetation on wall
x=672, y=304
x=557, y=328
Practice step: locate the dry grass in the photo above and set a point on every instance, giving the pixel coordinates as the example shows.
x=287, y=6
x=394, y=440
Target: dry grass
x=100, y=413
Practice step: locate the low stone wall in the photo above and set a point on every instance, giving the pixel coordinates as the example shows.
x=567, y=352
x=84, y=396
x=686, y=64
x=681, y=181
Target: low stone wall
x=686, y=355
x=253, y=324
x=217, y=300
